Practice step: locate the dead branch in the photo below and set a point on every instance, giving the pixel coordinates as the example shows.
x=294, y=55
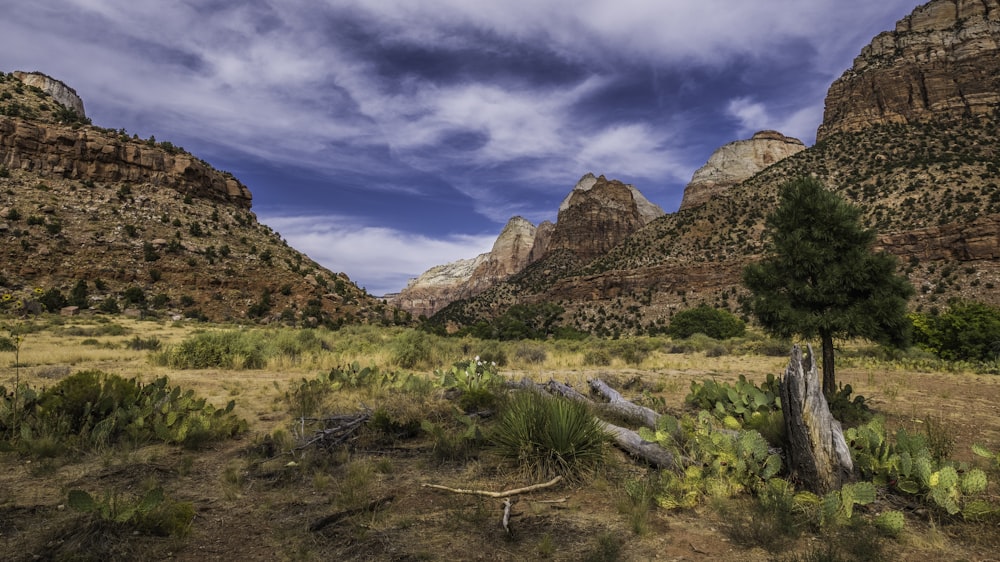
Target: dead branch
x=618, y=404
x=338, y=429
x=503, y=494
x=319, y=524
x=624, y=438
x=506, y=514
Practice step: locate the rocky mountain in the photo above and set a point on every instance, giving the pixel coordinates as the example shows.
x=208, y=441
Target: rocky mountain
x=736, y=162
x=911, y=135
x=596, y=215
x=119, y=222
x=940, y=60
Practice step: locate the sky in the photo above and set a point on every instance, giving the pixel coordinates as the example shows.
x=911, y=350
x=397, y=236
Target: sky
x=383, y=137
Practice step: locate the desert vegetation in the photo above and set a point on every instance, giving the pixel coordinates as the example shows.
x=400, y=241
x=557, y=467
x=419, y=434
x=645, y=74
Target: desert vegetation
x=130, y=439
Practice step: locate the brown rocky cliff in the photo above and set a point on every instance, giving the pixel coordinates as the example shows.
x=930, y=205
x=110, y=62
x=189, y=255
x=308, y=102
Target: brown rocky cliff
x=944, y=58
x=94, y=154
x=597, y=215
x=735, y=162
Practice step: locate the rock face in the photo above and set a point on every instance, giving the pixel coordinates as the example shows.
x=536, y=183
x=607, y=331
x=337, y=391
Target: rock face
x=93, y=154
x=60, y=92
x=597, y=215
x=942, y=59
x=436, y=287
x=735, y=162
x=509, y=255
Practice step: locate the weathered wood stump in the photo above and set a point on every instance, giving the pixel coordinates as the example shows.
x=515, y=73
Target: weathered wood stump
x=817, y=454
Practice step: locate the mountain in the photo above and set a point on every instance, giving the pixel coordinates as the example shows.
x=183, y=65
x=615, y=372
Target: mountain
x=736, y=162
x=911, y=134
x=596, y=215
x=143, y=224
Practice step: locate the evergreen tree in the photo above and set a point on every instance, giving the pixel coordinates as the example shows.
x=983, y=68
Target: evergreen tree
x=822, y=277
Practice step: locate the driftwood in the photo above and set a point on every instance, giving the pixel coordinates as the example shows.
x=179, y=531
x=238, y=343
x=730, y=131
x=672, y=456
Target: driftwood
x=503, y=494
x=338, y=429
x=624, y=438
x=321, y=523
x=817, y=454
x=618, y=404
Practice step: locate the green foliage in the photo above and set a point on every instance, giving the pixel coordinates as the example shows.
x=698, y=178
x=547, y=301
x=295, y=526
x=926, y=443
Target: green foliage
x=411, y=349
x=968, y=331
x=821, y=276
x=151, y=513
x=908, y=466
x=742, y=400
x=715, y=323
x=724, y=461
x=477, y=382
x=238, y=349
x=549, y=436
x=93, y=408
x=519, y=322
x=846, y=409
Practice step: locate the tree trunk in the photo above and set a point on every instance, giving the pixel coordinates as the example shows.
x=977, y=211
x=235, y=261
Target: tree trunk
x=817, y=454
x=829, y=377
x=618, y=404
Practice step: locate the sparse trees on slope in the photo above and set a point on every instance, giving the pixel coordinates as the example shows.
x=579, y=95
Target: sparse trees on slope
x=822, y=277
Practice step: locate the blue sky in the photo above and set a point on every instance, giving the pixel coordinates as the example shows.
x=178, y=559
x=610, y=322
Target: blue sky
x=382, y=137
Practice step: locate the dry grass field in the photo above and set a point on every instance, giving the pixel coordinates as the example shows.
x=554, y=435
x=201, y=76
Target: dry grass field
x=256, y=498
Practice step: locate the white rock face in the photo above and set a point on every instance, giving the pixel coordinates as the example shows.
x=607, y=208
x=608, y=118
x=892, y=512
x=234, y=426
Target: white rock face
x=55, y=88
x=736, y=162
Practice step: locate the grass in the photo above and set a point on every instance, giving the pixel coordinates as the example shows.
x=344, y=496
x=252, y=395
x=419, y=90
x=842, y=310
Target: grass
x=255, y=503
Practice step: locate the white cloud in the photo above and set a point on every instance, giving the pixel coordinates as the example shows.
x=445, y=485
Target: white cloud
x=380, y=259
x=753, y=116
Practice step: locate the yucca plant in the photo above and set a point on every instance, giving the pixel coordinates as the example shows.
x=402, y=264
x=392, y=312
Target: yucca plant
x=549, y=436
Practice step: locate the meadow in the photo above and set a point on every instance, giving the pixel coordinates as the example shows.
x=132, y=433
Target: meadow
x=316, y=445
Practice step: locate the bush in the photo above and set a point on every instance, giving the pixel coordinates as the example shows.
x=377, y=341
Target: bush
x=712, y=322
x=969, y=331
x=413, y=348
x=549, y=436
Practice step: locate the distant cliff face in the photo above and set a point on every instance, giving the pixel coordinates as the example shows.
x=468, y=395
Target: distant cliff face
x=59, y=91
x=944, y=58
x=735, y=162
x=598, y=214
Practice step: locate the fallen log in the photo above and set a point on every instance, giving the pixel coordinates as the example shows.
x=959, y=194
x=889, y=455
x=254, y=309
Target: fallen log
x=626, y=439
x=818, y=455
x=618, y=404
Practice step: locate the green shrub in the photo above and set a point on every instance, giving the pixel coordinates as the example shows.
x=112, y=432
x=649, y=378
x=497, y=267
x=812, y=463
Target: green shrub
x=411, y=349
x=718, y=324
x=476, y=381
x=968, y=331
x=549, y=436
x=217, y=349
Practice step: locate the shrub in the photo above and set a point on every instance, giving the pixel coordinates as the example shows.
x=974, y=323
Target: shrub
x=704, y=319
x=411, y=349
x=549, y=436
x=968, y=331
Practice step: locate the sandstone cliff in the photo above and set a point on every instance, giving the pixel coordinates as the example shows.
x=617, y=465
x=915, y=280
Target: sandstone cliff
x=736, y=162
x=96, y=155
x=436, y=287
x=57, y=89
x=597, y=215
x=941, y=59
x=509, y=255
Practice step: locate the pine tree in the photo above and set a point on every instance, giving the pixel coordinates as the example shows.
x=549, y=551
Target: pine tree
x=822, y=277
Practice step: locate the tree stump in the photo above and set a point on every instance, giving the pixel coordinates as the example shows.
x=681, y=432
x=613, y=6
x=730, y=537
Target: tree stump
x=817, y=454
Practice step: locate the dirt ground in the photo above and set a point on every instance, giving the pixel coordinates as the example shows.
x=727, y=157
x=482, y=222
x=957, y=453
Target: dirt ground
x=249, y=507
